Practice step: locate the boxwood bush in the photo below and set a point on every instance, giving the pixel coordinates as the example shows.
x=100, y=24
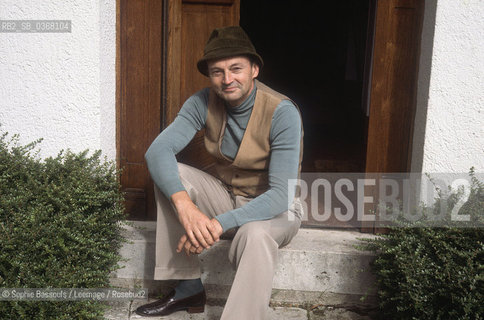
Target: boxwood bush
x=59, y=228
x=433, y=273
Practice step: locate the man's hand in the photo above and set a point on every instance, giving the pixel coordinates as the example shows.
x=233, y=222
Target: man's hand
x=186, y=244
x=200, y=230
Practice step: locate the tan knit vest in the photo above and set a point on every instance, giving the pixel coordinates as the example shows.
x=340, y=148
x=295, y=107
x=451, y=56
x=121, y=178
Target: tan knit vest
x=247, y=175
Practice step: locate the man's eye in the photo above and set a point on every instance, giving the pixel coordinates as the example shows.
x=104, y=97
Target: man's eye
x=216, y=73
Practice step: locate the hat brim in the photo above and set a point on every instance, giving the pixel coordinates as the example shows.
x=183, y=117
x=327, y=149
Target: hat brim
x=226, y=53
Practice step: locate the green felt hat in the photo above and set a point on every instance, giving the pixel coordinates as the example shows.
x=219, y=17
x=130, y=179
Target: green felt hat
x=227, y=42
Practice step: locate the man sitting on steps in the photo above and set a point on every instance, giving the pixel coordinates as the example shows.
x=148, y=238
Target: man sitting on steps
x=255, y=135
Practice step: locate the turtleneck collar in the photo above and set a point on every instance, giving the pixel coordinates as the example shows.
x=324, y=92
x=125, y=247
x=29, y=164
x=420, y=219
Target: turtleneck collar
x=244, y=106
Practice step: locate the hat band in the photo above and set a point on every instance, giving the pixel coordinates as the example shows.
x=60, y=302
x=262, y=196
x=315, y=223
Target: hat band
x=229, y=44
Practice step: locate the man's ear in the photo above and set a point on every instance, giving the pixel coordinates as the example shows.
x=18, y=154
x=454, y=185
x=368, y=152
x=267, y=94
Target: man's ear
x=255, y=70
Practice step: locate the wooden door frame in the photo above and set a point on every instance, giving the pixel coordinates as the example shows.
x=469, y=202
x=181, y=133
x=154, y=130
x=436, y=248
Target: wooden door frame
x=138, y=99
x=175, y=89
x=118, y=84
x=376, y=161
x=382, y=98
x=392, y=114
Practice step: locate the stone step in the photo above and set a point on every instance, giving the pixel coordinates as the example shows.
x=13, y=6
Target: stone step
x=318, y=268
x=125, y=311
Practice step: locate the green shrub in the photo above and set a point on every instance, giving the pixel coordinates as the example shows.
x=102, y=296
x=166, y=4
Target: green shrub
x=433, y=272
x=59, y=228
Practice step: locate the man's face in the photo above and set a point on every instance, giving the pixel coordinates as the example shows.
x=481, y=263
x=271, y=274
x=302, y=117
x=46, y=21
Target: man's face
x=233, y=78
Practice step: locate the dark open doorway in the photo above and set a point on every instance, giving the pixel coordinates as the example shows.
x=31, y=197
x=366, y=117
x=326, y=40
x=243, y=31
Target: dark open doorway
x=316, y=53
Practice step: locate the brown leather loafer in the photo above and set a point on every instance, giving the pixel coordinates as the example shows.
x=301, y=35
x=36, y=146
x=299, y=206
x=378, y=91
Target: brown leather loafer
x=168, y=305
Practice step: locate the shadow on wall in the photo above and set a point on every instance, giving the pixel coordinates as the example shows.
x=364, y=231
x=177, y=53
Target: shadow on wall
x=425, y=66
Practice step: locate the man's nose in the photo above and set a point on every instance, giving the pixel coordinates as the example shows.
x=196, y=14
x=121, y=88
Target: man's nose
x=227, y=77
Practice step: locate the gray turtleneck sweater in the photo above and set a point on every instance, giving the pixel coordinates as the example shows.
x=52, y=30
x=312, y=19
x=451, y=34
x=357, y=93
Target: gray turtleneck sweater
x=285, y=136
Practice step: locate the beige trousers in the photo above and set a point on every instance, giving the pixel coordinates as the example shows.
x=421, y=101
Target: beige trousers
x=253, y=251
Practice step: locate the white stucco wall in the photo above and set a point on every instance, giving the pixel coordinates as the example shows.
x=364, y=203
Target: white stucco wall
x=60, y=86
x=449, y=127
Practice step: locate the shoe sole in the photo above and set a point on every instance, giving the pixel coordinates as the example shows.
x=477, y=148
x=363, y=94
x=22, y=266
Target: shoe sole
x=200, y=309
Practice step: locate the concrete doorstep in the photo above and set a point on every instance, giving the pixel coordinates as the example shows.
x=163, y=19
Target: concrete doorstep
x=320, y=275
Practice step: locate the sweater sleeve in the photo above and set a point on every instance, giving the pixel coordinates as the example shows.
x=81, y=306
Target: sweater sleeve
x=285, y=139
x=160, y=157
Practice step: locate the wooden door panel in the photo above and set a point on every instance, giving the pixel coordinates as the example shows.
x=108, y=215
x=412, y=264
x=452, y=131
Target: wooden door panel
x=199, y=20
x=394, y=84
x=189, y=26
x=393, y=88
x=139, y=104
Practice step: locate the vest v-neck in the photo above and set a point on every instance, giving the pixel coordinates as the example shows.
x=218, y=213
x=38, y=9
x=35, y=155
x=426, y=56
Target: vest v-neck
x=247, y=173
x=235, y=124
